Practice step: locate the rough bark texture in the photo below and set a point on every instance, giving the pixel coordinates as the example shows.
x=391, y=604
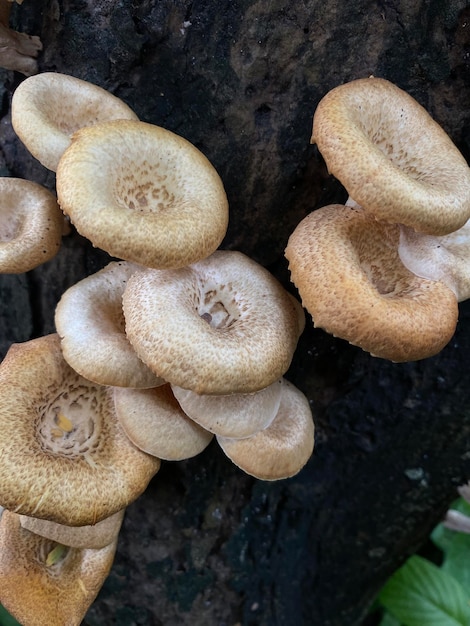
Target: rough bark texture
x=207, y=545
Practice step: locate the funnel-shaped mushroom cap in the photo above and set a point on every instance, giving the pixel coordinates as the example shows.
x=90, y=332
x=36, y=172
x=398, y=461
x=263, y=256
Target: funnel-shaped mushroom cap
x=154, y=422
x=94, y=536
x=392, y=157
x=350, y=277
x=64, y=455
x=48, y=108
x=282, y=449
x=143, y=194
x=90, y=322
x=223, y=325
x=445, y=258
x=31, y=225
x=236, y=415
x=43, y=583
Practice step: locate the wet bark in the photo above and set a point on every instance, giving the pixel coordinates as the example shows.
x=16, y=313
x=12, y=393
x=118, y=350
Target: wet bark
x=206, y=544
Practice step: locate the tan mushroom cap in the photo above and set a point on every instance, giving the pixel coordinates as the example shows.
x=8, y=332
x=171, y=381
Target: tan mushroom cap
x=31, y=225
x=350, y=278
x=282, y=449
x=143, y=194
x=445, y=258
x=223, y=325
x=90, y=322
x=45, y=584
x=236, y=415
x=94, y=536
x=392, y=157
x=64, y=455
x=48, y=108
x=154, y=421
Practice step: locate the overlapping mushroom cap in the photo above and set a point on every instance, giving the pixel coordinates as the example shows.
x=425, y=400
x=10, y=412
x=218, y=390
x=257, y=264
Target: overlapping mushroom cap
x=31, y=225
x=49, y=107
x=143, y=194
x=43, y=583
x=90, y=323
x=64, y=455
x=392, y=157
x=346, y=267
x=222, y=325
x=284, y=447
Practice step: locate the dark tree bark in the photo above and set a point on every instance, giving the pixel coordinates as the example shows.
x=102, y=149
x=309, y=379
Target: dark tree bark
x=206, y=544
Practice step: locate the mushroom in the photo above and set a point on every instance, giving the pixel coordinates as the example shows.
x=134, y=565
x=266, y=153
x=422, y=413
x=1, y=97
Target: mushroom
x=394, y=160
x=222, y=325
x=18, y=51
x=236, y=415
x=48, y=108
x=64, y=455
x=143, y=194
x=154, y=422
x=346, y=267
x=445, y=258
x=282, y=449
x=90, y=323
x=94, y=536
x=43, y=583
x=31, y=225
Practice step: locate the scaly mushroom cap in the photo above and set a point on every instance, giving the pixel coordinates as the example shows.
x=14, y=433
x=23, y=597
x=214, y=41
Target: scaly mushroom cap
x=237, y=415
x=350, y=278
x=445, y=258
x=223, y=325
x=43, y=583
x=94, y=536
x=48, y=108
x=282, y=449
x=31, y=225
x=143, y=194
x=154, y=422
x=64, y=455
x=90, y=322
x=392, y=157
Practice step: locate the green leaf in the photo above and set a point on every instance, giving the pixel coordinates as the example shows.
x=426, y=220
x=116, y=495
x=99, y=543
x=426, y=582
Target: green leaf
x=457, y=560
x=443, y=537
x=6, y=619
x=389, y=620
x=419, y=594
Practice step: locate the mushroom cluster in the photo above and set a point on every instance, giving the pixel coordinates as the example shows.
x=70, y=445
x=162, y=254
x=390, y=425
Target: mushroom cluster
x=385, y=271
x=174, y=343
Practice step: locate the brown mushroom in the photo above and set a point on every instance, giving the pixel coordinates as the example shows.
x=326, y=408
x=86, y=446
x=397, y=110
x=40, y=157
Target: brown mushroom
x=48, y=108
x=18, y=51
x=394, y=160
x=31, y=225
x=90, y=323
x=64, y=455
x=143, y=194
x=222, y=325
x=154, y=421
x=43, y=583
x=282, y=449
x=346, y=267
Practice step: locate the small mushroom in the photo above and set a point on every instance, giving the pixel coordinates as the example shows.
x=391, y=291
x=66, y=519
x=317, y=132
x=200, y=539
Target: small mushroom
x=48, y=108
x=90, y=323
x=31, y=225
x=18, y=51
x=44, y=583
x=64, y=455
x=282, y=449
x=143, y=194
x=346, y=267
x=154, y=422
x=222, y=325
x=394, y=160
x=236, y=415
x=94, y=536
